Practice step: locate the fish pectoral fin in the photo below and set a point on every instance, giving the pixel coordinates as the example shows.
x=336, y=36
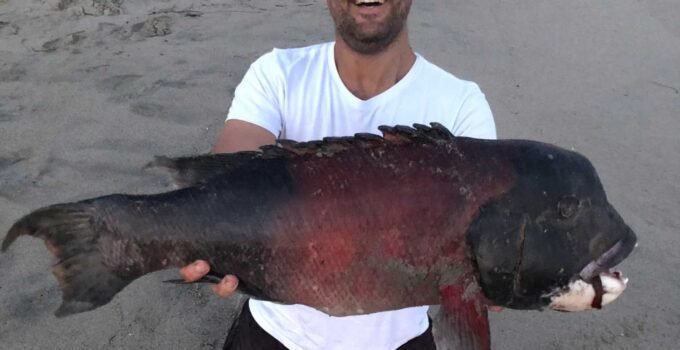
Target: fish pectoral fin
x=462, y=322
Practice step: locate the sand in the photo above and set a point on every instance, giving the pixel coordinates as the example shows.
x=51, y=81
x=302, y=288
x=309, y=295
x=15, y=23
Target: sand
x=90, y=90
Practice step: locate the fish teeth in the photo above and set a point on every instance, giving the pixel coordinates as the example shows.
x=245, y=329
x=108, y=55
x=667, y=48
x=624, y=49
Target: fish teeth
x=579, y=295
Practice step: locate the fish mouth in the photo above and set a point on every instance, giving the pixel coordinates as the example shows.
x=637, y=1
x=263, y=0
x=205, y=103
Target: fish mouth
x=597, y=284
x=610, y=258
x=581, y=295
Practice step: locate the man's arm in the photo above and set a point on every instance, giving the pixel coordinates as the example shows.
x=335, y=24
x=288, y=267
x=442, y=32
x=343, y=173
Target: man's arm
x=237, y=135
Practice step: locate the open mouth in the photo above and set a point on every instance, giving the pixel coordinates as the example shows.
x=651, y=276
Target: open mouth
x=368, y=2
x=609, y=259
x=597, y=284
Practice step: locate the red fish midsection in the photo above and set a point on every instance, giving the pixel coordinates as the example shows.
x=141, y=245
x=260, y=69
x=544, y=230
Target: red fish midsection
x=366, y=235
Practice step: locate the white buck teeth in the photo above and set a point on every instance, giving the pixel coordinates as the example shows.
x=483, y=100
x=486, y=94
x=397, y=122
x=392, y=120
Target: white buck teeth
x=580, y=294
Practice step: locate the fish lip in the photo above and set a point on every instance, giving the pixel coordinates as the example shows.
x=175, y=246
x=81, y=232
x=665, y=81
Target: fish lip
x=610, y=258
x=593, y=274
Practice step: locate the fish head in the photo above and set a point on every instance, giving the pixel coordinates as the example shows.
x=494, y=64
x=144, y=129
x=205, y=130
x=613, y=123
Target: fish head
x=552, y=239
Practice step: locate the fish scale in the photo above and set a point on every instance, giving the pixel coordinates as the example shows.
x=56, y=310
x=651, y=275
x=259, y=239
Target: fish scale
x=379, y=207
x=354, y=225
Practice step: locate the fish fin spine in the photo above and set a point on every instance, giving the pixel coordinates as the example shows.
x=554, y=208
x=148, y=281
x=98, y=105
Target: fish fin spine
x=435, y=133
x=195, y=170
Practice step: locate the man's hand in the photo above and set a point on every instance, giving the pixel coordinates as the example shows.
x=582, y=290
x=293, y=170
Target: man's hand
x=236, y=136
x=200, y=268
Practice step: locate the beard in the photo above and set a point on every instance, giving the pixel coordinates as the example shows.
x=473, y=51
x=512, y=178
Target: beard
x=372, y=40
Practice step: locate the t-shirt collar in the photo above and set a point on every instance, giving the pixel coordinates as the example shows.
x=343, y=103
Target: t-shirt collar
x=383, y=96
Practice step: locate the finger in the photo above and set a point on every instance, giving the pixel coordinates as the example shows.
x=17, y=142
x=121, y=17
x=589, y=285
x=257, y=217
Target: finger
x=495, y=308
x=226, y=287
x=194, y=271
x=205, y=279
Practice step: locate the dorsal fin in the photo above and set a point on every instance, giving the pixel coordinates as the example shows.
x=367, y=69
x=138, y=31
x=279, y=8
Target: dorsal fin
x=274, y=151
x=188, y=171
x=398, y=134
x=332, y=145
x=435, y=132
x=192, y=170
x=368, y=140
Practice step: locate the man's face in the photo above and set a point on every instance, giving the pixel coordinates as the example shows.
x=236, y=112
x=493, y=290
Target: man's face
x=369, y=26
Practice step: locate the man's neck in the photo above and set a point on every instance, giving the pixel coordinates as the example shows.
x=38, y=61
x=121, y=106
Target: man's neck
x=367, y=76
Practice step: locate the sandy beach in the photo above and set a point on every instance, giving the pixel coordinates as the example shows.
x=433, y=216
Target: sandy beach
x=91, y=90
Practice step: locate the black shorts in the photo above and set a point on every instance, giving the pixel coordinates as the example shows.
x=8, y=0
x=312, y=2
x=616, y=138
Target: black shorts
x=246, y=334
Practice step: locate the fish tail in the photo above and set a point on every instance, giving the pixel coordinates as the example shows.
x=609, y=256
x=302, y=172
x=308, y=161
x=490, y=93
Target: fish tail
x=71, y=232
x=43, y=223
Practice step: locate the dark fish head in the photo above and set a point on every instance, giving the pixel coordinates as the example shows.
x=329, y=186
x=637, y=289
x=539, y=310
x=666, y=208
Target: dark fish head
x=552, y=239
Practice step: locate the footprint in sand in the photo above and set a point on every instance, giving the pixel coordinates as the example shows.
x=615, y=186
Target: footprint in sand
x=147, y=109
x=93, y=7
x=7, y=28
x=131, y=89
x=9, y=108
x=12, y=177
x=5, y=116
x=11, y=159
x=171, y=113
x=69, y=41
x=123, y=88
x=152, y=27
x=155, y=26
x=118, y=83
x=107, y=7
x=11, y=72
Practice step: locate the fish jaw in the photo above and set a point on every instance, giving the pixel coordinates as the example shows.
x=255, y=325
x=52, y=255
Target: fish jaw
x=596, y=285
x=581, y=295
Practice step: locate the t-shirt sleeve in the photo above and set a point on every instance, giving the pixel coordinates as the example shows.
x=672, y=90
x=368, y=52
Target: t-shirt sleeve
x=475, y=118
x=258, y=97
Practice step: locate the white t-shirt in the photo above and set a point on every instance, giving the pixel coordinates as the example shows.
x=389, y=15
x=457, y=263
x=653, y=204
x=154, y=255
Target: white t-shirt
x=297, y=94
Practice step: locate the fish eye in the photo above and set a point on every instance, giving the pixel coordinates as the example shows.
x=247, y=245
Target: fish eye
x=567, y=206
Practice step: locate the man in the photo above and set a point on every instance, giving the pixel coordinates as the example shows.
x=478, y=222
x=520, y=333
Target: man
x=368, y=77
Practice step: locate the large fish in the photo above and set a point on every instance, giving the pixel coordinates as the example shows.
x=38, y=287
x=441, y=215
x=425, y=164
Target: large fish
x=361, y=224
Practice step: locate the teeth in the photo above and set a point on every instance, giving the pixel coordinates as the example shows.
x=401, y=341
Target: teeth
x=359, y=2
